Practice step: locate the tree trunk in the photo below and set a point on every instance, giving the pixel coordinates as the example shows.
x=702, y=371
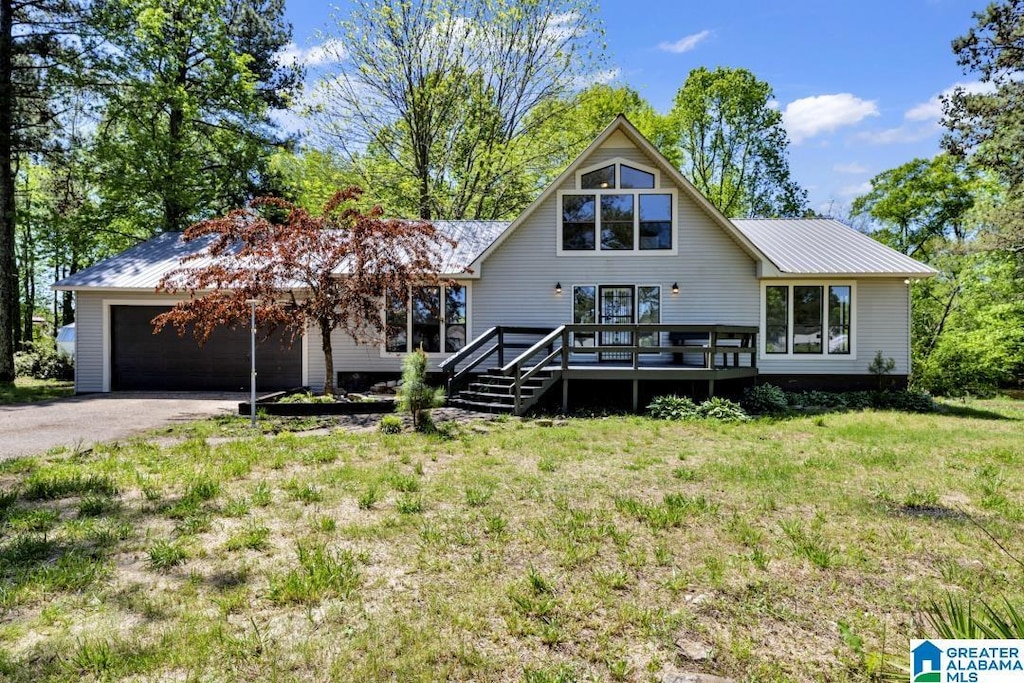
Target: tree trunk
x=325, y=345
x=174, y=209
x=28, y=269
x=8, y=274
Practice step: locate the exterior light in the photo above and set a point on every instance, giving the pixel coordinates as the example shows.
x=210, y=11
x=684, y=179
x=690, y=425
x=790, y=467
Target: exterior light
x=907, y=281
x=675, y=287
x=558, y=288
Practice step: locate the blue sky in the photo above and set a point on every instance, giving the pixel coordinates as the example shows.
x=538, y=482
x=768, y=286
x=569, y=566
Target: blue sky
x=856, y=80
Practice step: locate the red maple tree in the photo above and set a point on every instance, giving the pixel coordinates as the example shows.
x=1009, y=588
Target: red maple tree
x=305, y=271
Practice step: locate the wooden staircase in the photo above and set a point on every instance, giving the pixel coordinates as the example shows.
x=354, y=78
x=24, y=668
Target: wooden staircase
x=511, y=388
x=496, y=393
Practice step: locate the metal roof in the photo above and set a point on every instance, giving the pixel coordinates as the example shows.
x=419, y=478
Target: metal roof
x=818, y=246
x=142, y=266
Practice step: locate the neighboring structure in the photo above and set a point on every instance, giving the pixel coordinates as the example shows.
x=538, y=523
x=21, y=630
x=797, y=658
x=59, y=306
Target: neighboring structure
x=621, y=238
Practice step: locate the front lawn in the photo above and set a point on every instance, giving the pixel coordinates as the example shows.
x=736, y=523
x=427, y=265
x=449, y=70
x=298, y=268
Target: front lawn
x=28, y=390
x=584, y=550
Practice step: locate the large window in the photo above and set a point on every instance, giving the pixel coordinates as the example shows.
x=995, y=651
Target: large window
x=808, y=319
x=432, y=318
x=617, y=208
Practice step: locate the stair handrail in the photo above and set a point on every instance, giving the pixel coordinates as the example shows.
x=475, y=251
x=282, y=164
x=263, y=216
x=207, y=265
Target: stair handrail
x=451, y=362
x=515, y=367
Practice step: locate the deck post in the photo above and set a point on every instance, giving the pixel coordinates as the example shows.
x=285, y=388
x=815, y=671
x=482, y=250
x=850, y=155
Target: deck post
x=713, y=338
x=519, y=388
x=636, y=395
x=501, y=347
x=711, y=388
x=565, y=395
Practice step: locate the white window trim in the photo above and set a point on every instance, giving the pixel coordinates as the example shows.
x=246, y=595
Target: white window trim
x=384, y=353
x=167, y=301
x=636, y=192
x=597, y=300
x=824, y=355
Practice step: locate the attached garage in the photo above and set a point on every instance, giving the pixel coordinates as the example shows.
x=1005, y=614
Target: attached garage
x=141, y=360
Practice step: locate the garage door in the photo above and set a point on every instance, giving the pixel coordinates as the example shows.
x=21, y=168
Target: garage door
x=141, y=360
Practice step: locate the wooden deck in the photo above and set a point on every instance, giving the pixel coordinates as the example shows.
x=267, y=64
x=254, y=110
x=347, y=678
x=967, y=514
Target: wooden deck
x=635, y=352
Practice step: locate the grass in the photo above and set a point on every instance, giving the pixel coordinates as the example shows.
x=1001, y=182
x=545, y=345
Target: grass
x=576, y=552
x=28, y=390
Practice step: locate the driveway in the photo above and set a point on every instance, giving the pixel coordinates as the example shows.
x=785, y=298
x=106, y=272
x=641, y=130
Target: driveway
x=80, y=421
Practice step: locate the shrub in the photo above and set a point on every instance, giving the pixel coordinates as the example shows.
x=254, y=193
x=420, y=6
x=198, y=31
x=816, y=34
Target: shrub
x=907, y=401
x=415, y=396
x=390, y=424
x=672, y=407
x=42, y=360
x=307, y=397
x=718, y=408
x=765, y=399
x=858, y=400
x=880, y=367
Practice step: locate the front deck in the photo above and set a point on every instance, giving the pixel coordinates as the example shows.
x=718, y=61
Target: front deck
x=633, y=352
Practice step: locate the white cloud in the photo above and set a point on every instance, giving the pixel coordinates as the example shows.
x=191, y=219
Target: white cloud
x=598, y=77
x=331, y=51
x=810, y=116
x=851, y=191
x=932, y=109
x=686, y=43
x=900, y=135
x=853, y=168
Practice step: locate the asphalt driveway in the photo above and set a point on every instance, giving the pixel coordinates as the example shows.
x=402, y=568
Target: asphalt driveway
x=80, y=421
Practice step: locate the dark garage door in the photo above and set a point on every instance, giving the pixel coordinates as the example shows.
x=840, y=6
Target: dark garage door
x=141, y=360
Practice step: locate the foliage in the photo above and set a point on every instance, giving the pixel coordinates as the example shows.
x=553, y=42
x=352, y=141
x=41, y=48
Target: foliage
x=390, y=424
x=307, y=397
x=733, y=146
x=672, y=407
x=275, y=249
x=765, y=399
x=718, y=408
x=42, y=360
x=185, y=132
x=414, y=394
x=881, y=367
x=918, y=201
x=956, y=618
x=436, y=97
x=986, y=124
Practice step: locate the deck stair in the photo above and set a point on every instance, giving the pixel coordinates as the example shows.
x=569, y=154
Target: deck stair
x=512, y=387
x=496, y=393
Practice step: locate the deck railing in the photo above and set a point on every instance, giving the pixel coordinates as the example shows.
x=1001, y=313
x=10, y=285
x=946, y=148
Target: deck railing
x=555, y=348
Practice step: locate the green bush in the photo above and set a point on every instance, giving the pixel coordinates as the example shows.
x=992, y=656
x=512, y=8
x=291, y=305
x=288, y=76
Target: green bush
x=307, y=397
x=390, y=424
x=765, y=399
x=42, y=360
x=672, y=407
x=907, y=401
x=718, y=408
x=415, y=396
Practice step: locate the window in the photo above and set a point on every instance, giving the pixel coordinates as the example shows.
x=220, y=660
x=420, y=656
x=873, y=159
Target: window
x=808, y=319
x=777, y=320
x=584, y=312
x=648, y=311
x=432, y=318
x=617, y=208
x=839, y=319
x=616, y=221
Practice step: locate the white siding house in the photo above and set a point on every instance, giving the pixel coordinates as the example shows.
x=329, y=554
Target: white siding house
x=619, y=238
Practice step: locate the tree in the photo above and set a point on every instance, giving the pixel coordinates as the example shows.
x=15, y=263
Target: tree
x=986, y=126
x=415, y=395
x=732, y=144
x=917, y=202
x=185, y=133
x=441, y=94
x=34, y=49
x=289, y=260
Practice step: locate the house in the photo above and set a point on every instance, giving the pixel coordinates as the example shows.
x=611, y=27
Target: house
x=620, y=271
